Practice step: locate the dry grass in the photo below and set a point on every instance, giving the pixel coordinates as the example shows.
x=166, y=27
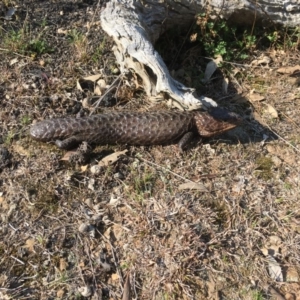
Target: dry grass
x=67, y=232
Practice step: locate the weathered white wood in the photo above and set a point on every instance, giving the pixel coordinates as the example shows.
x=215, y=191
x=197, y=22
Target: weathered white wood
x=135, y=25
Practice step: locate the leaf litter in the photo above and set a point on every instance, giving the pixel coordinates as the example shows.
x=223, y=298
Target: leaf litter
x=156, y=240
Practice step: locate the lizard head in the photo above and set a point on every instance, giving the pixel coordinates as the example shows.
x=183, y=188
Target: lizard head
x=216, y=121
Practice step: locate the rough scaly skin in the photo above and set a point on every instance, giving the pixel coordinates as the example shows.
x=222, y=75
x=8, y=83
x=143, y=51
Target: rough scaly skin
x=134, y=128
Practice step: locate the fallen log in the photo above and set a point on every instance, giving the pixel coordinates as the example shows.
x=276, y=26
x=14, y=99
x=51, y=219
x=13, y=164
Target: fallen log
x=135, y=25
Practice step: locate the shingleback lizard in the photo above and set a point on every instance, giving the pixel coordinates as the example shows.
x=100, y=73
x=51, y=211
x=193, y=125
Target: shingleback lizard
x=135, y=128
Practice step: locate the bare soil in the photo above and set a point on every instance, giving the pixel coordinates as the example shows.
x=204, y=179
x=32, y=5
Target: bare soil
x=70, y=232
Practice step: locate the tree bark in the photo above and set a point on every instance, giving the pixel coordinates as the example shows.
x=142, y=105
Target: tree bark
x=135, y=25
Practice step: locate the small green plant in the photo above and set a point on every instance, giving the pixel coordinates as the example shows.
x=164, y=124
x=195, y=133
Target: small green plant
x=80, y=43
x=38, y=47
x=75, y=36
x=144, y=183
x=273, y=37
x=14, y=40
x=26, y=120
x=257, y=295
x=222, y=213
x=99, y=51
x=287, y=185
x=20, y=41
x=40, y=239
x=292, y=38
x=15, y=36
x=7, y=3
x=220, y=38
x=9, y=137
x=125, y=266
x=96, y=55
x=288, y=38
x=44, y=23
x=264, y=167
x=279, y=200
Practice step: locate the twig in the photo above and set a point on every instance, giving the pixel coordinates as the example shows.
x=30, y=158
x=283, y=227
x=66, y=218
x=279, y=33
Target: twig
x=288, y=143
x=165, y=169
x=112, y=86
x=18, y=260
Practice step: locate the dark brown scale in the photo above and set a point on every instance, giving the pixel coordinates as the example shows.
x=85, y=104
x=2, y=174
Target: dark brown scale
x=133, y=128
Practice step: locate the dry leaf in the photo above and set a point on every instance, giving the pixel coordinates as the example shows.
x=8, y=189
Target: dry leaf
x=83, y=168
x=192, y=186
x=289, y=296
x=284, y=154
x=62, y=31
x=255, y=97
x=85, y=291
x=92, y=24
x=113, y=200
x=270, y=250
x=62, y=264
x=259, y=119
x=274, y=269
x=211, y=68
x=102, y=84
x=270, y=110
x=193, y=37
x=97, y=91
x=289, y=70
x=60, y=293
x=30, y=245
x=114, y=277
x=262, y=60
x=93, y=83
x=93, y=78
x=292, y=275
x=67, y=155
x=13, y=61
x=240, y=99
x=274, y=295
x=273, y=243
x=126, y=291
x=3, y=204
x=107, y=232
x=86, y=102
x=212, y=289
x=96, y=169
x=81, y=264
x=20, y=150
x=118, y=231
x=294, y=81
x=275, y=240
x=274, y=91
x=91, y=184
x=109, y=159
x=225, y=85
